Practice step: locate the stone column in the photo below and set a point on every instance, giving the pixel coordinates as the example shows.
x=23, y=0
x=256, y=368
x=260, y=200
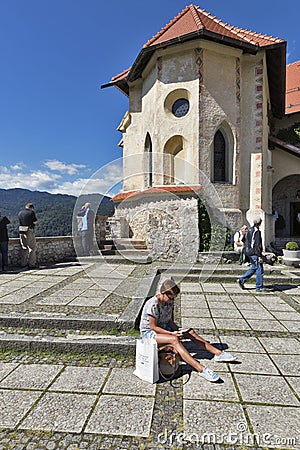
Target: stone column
x=255, y=211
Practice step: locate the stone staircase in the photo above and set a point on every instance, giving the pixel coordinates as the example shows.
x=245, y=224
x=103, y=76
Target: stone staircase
x=229, y=273
x=120, y=250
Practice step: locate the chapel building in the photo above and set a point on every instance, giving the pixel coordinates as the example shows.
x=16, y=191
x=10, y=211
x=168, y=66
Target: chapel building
x=207, y=101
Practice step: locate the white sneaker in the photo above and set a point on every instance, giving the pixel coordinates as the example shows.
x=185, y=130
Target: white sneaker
x=225, y=357
x=209, y=375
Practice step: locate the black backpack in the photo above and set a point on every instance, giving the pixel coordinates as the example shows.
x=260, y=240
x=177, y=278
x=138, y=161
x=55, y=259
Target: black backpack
x=249, y=250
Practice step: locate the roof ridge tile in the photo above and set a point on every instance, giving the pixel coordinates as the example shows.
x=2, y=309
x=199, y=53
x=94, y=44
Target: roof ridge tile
x=238, y=30
x=166, y=27
x=196, y=17
x=231, y=28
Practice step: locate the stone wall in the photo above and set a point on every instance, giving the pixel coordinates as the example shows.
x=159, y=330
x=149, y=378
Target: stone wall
x=162, y=223
x=49, y=250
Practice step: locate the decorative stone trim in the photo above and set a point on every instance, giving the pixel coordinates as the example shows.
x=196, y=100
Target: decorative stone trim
x=236, y=176
x=258, y=105
x=199, y=64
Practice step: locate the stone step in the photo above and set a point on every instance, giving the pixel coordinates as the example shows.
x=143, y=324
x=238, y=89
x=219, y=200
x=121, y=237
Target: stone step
x=129, y=249
x=232, y=278
x=108, y=251
x=123, y=243
x=114, y=257
x=59, y=321
x=130, y=242
x=225, y=269
x=72, y=342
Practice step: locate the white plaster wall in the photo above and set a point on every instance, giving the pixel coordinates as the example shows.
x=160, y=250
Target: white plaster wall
x=218, y=108
x=212, y=103
x=150, y=116
x=284, y=164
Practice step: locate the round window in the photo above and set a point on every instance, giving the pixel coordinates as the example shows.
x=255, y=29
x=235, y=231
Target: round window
x=180, y=107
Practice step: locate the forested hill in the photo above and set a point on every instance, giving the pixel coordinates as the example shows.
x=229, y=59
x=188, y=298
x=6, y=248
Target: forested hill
x=54, y=211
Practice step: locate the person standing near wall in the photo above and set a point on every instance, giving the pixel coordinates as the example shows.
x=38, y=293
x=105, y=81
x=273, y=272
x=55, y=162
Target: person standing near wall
x=28, y=220
x=87, y=228
x=4, y=221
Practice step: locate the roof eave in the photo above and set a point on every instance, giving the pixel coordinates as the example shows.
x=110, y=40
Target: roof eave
x=146, y=52
x=289, y=148
x=122, y=85
x=276, y=63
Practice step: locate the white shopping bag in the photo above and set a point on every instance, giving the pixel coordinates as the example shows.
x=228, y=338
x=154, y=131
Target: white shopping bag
x=146, y=360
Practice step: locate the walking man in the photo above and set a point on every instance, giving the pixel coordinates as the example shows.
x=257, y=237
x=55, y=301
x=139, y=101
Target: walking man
x=28, y=220
x=253, y=249
x=4, y=221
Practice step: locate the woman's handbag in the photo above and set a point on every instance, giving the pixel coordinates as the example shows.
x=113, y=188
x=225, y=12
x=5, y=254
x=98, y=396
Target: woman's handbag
x=146, y=361
x=168, y=361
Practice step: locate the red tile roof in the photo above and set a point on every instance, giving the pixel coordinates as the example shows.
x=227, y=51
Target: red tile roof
x=121, y=75
x=292, y=99
x=175, y=189
x=193, y=18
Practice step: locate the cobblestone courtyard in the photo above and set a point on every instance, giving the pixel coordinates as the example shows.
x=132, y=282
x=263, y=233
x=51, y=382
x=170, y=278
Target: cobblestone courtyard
x=90, y=399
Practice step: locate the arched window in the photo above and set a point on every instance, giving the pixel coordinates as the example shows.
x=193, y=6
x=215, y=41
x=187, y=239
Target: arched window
x=222, y=158
x=148, y=162
x=174, y=160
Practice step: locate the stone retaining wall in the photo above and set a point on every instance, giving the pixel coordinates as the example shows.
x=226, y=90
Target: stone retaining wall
x=167, y=223
x=49, y=249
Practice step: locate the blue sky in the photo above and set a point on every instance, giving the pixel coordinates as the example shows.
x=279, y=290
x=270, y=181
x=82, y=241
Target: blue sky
x=57, y=127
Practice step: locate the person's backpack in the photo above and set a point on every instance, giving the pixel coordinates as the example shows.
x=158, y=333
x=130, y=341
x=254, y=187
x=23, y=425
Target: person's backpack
x=249, y=249
x=168, y=361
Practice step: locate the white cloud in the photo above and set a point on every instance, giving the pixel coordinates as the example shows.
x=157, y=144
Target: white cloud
x=59, y=166
x=104, y=181
x=38, y=180
x=18, y=166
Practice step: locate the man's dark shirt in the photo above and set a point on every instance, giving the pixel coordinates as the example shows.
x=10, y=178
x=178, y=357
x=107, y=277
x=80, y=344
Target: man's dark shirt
x=256, y=248
x=4, y=221
x=27, y=217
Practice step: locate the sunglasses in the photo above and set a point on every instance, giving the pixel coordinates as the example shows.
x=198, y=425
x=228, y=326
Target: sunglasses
x=170, y=296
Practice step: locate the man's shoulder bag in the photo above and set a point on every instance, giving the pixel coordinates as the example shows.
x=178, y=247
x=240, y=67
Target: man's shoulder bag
x=23, y=228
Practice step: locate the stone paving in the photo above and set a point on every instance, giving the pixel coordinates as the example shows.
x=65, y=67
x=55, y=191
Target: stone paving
x=83, y=400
